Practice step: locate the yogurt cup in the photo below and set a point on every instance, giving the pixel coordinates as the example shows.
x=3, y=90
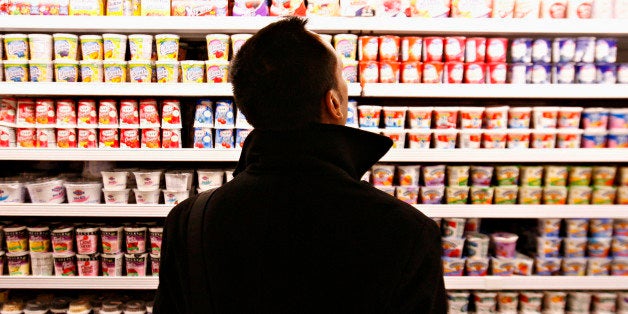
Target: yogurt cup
x=155, y=236
x=91, y=47
x=140, y=46
x=601, y=228
x=622, y=195
x=481, y=195
x=390, y=190
x=66, y=70
x=140, y=71
x=65, y=264
x=496, y=117
x=36, y=307
x=50, y=191
x=620, y=227
x=445, y=117
x=346, y=45
x=618, y=118
x=531, y=301
x=39, y=239
x=554, y=301
x=88, y=265
x=485, y=302
x=505, y=244
x=114, y=180
x=496, y=138
x=383, y=174
x=576, y=227
x=86, y=240
x=531, y=175
x=453, y=227
x=83, y=192
x=574, y=266
x=62, y=239
x=369, y=116
x=555, y=175
x=65, y=46
x=604, y=302
x=453, y=266
x=445, y=138
x=40, y=47
x=148, y=180
x=394, y=117
x=477, y=245
x=116, y=196
x=210, y=178
x=111, y=239
x=472, y=225
x=457, y=301
x=16, y=70
x=569, y=138
x=11, y=192
x=545, y=117
x=604, y=175
x=471, y=117
x=457, y=194
x=18, y=263
x=114, y=47
x=595, y=118
x=432, y=194
x=470, y=138
x=135, y=239
x=167, y=71
x=548, y=246
x=481, y=175
x=92, y=71
x=547, y=266
x=420, y=117
x=41, y=71
x=507, y=175
x=237, y=40
x=167, y=47
x=16, y=47
x=519, y=117
x=554, y=195
x=136, y=264
x=506, y=194
x=598, y=266
x=408, y=175
x=419, y=138
x=507, y=301
x=579, y=195
x=503, y=266
x=569, y=117
x=543, y=138
x=617, y=138
x=217, y=46
x=619, y=267
x=433, y=175
x=458, y=175
x=619, y=247
x=16, y=237
x=549, y=227
x=175, y=197
x=408, y=194
x=603, y=195
x=593, y=138
x=111, y=264
x=397, y=136
x=146, y=197
x=217, y=71
x=115, y=71
x=575, y=247
x=452, y=247
x=194, y=72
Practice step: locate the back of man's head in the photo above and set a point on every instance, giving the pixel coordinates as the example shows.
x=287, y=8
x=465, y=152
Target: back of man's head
x=281, y=74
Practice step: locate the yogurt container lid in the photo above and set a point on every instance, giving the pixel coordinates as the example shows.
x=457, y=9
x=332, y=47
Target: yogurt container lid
x=570, y=131
x=618, y=132
x=63, y=229
x=419, y=131
x=112, y=305
x=140, y=36
x=420, y=109
x=1, y=253
x=113, y=35
x=472, y=109
x=135, y=306
x=164, y=36
x=64, y=35
x=372, y=130
x=15, y=62
x=445, y=131
x=446, y=108
x=519, y=131
x=477, y=235
x=571, y=109
x=63, y=254
x=39, y=35
x=86, y=229
x=90, y=62
x=38, y=228
x=80, y=183
x=166, y=62
x=619, y=110
x=136, y=255
x=115, y=191
x=141, y=62
x=87, y=257
x=40, y=62
x=60, y=303
x=395, y=108
x=505, y=237
x=155, y=256
x=192, y=62
x=14, y=228
x=16, y=254
x=114, y=62
x=135, y=229
x=90, y=37
x=544, y=131
x=66, y=62
x=369, y=107
x=498, y=108
x=15, y=35
x=80, y=306
x=112, y=255
x=393, y=131
x=543, y=108
x=495, y=131
x=111, y=229
x=147, y=172
x=596, y=110
x=595, y=131
x=156, y=229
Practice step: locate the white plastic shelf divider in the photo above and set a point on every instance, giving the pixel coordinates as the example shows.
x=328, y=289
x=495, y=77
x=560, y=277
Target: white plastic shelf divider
x=198, y=27
x=127, y=89
x=54, y=282
x=501, y=91
x=604, y=155
x=443, y=211
x=451, y=283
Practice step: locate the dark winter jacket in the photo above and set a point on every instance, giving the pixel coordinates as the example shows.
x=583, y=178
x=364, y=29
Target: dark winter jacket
x=296, y=231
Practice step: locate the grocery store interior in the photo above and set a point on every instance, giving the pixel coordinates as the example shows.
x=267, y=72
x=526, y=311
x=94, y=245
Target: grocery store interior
x=509, y=120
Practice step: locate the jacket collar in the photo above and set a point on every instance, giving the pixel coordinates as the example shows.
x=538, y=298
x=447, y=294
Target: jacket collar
x=352, y=150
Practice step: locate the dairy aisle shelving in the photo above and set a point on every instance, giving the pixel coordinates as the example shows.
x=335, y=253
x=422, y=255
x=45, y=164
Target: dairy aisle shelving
x=196, y=28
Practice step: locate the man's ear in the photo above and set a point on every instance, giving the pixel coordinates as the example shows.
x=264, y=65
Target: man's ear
x=332, y=108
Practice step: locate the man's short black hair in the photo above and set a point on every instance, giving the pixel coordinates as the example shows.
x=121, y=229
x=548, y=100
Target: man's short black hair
x=281, y=74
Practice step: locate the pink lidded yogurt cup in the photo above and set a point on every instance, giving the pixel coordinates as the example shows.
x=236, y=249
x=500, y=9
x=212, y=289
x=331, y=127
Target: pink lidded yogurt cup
x=519, y=117
x=136, y=264
x=419, y=139
x=569, y=117
x=395, y=117
x=505, y=244
x=569, y=138
x=111, y=264
x=397, y=136
x=471, y=117
x=88, y=265
x=111, y=239
x=595, y=118
x=383, y=174
x=409, y=175
x=496, y=117
x=445, y=117
x=618, y=118
x=594, y=138
x=496, y=138
x=420, y=117
x=432, y=194
x=470, y=138
x=543, y=138
x=518, y=138
x=545, y=117
x=445, y=138
x=369, y=116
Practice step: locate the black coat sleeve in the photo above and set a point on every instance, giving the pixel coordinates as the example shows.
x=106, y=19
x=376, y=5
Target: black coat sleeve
x=171, y=293
x=423, y=288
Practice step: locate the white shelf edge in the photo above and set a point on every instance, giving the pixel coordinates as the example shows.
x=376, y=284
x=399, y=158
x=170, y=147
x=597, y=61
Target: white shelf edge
x=605, y=155
x=54, y=282
x=443, y=211
x=203, y=25
x=128, y=89
x=502, y=91
x=451, y=283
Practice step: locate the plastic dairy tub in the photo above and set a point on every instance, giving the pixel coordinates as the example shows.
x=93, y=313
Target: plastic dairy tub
x=83, y=192
x=50, y=191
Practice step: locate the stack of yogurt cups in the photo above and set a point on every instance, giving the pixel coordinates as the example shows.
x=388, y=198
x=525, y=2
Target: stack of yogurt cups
x=605, y=127
x=115, y=189
x=220, y=125
x=178, y=186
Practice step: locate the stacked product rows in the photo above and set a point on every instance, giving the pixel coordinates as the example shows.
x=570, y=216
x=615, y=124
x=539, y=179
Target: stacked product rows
x=503, y=184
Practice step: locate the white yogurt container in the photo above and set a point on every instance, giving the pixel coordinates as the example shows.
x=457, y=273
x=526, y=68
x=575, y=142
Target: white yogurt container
x=146, y=197
x=208, y=179
x=148, y=180
x=116, y=196
x=114, y=180
x=12, y=192
x=175, y=197
x=48, y=190
x=40, y=47
x=83, y=192
x=179, y=180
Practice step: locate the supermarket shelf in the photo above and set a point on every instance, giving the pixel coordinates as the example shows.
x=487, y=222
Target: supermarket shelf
x=460, y=211
x=523, y=211
x=537, y=283
x=53, y=282
x=198, y=27
x=451, y=283
x=126, y=89
x=84, y=210
x=396, y=155
x=527, y=91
